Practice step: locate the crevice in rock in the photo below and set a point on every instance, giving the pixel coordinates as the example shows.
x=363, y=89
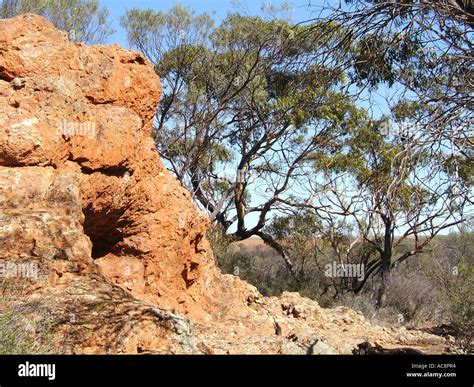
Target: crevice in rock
x=196, y=243
x=187, y=274
x=104, y=229
x=94, y=101
x=4, y=75
x=137, y=59
x=103, y=226
x=116, y=171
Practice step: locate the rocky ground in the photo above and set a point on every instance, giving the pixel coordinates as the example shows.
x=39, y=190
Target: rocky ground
x=123, y=263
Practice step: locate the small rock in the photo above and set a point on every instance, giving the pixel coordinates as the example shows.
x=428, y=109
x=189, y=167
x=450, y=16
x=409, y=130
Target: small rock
x=450, y=339
x=285, y=306
x=348, y=320
x=18, y=83
x=322, y=348
x=291, y=348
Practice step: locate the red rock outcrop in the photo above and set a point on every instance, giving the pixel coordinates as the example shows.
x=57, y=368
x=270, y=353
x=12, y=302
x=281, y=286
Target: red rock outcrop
x=87, y=112
x=123, y=262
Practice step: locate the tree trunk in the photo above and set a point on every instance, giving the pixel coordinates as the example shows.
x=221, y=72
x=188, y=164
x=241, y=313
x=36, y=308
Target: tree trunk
x=270, y=241
x=384, y=280
x=385, y=263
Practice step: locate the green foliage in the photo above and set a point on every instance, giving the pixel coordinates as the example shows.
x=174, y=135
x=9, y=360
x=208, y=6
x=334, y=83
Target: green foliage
x=245, y=94
x=302, y=226
x=452, y=273
x=460, y=293
x=377, y=57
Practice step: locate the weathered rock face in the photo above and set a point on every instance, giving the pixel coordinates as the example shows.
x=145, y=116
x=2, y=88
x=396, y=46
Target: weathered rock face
x=76, y=121
x=119, y=246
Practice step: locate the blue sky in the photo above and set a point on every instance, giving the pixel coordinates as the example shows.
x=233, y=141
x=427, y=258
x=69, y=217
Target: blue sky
x=117, y=8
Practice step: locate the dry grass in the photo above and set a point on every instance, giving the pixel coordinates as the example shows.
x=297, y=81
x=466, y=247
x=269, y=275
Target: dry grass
x=24, y=327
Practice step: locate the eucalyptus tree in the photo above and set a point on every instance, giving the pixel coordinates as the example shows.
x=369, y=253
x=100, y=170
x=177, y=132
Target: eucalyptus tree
x=404, y=177
x=392, y=193
x=421, y=53
x=252, y=97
